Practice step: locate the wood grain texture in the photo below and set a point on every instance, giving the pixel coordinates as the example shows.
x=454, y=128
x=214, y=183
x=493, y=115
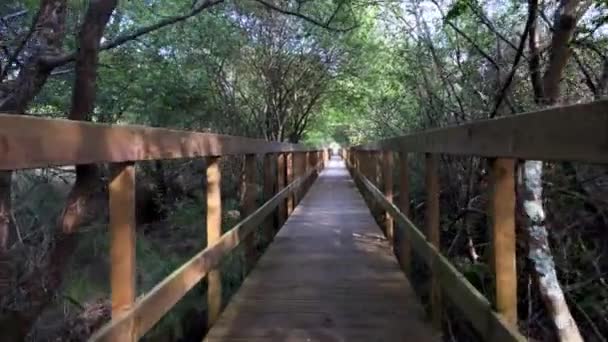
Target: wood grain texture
x=329, y=275
x=31, y=142
x=502, y=212
x=149, y=309
x=387, y=181
x=477, y=310
x=270, y=186
x=289, y=176
x=432, y=230
x=281, y=178
x=405, y=248
x=577, y=133
x=122, y=245
x=250, y=254
x=214, y=232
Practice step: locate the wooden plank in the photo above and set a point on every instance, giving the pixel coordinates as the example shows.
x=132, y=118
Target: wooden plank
x=270, y=186
x=405, y=248
x=31, y=142
x=122, y=245
x=290, y=176
x=250, y=254
x=432, y=231
x=149, y=309
x=387, y=177
x=503, y=237
x=577, y=133
x=326, y=277
x=281, y=176
x=214, y=233
x=471, y=303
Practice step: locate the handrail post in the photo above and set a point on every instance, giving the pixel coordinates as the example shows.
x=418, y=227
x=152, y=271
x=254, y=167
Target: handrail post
x=269, y=190
x=248, y=208
x=502, y=212
x=387, y=175
x=214, y=232
x=306, y=168
x=289, y=179
x=281, y=175
x=432, y=231
x=122, y=245
x=405, y=247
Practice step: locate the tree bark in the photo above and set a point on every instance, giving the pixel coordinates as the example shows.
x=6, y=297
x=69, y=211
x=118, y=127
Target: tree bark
x=16, y=94
x=539, y=251
x=83, y=103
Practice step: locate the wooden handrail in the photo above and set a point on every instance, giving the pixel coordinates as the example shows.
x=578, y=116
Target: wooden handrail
x=32, y=142
x=149, y=309
x=567, y=133
x=575, y=133
x=491, y=325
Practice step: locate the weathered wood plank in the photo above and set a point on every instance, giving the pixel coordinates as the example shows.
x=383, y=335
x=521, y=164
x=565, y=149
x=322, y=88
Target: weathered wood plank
x=404, y=205
x=149, y=309
x=270, y=185
x=328, y=276
x=31, y=142
x=503, y=237
x=281, y=178
x=387, y=178
x=475, y=307
x=122, y=245
x=214, y=233
x=577, y=133
x=433, y=231
x=250, y=254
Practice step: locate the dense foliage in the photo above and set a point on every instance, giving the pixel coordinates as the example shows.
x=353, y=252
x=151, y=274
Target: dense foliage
x=324, y=72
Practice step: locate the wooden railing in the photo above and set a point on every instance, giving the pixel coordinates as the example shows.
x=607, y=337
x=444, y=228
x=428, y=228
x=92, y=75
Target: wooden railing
x=572, y=133
x=30, y=142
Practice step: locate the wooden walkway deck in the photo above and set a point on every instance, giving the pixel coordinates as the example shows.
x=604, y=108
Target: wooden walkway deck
x=329, y=275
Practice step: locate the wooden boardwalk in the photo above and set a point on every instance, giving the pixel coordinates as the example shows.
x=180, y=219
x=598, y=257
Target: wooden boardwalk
x=329, y=275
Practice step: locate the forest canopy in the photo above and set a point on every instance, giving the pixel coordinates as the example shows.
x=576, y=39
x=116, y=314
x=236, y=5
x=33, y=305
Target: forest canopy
x=319, y=73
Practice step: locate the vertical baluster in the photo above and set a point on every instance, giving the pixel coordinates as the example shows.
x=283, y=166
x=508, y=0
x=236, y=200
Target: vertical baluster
x=306, y=168
x=248, y=208
x=281, y=174
x=270, y=184
x=122, y=245
x=387, y=175
x=289, y=175
x=432, y=231
x=405, y=248
x=503, y=237
x=214, y=232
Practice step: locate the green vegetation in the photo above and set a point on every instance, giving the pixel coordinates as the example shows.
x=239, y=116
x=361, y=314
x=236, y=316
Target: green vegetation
x=320, y=73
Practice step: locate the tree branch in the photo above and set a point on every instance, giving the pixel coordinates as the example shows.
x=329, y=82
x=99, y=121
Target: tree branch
x=53, y=62
x=297, y=14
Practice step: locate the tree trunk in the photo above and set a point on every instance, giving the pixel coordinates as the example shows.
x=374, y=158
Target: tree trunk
x=539, y=251
x=83, y=103
x=15, y=95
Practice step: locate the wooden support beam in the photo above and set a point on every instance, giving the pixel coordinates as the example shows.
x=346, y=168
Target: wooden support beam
x=503, y=237
x=405, y=246
x=28, y=141
x=306, y=167
x=281, y=176
x=214, y=233
x=270, y=186
x=122, y=246
x=248, y=208
x=475, y=308
x=387, y=176
x=289, y=174
x=432, y=231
